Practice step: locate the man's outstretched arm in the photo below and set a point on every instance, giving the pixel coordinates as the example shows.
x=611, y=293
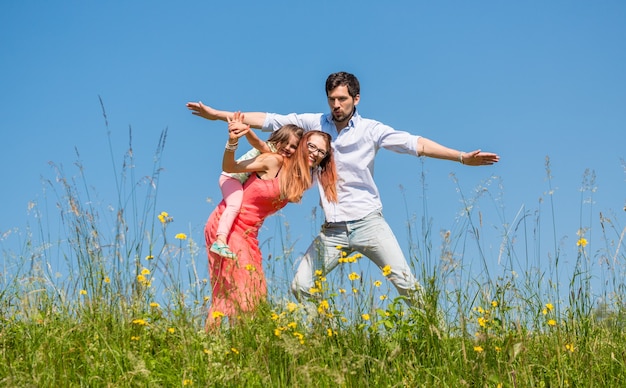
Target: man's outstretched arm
x=253, y=119
x=427, y=147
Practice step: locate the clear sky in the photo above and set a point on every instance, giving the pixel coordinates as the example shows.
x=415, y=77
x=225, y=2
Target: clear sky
x=527, y=80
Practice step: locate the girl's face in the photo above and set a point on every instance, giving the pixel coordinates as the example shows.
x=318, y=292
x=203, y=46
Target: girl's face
x=318, y=149
x=287, y=149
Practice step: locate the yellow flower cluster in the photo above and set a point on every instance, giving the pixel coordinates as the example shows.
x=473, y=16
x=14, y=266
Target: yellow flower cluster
x=549, y=307
x=140, y=322
x=352, y=259
x=165, y=218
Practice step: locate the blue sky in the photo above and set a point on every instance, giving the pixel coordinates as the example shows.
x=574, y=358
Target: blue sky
x=524, y=79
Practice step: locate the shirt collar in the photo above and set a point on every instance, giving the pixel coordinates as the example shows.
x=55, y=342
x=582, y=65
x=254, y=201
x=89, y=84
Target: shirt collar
x=351, y=124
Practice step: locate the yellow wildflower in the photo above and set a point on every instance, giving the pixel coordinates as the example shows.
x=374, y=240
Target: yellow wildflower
x=140, y=322
x=382, y=297
x=338, y=247
x=478, y=349
x=355, y=291
x=354, y=276
x=386, y=270
x=107, y=279
x=181, y=236
x=342, y=290
x=569, y=347
x=292, y=325
x=250, y=268
x=234, y=350
x=314, y=290
x=300, y=337
x=482, y=322
x=134, y=338
x=149, y=257
x=366, y=317
x=83, y=292
x=377, y=283
x=330, y=332
x=582, y=242
x=145, y=271
x=141, y=278
x=171, y=330
x=318, y=272
x=549, y=306
x=154, y=305
x=187, y=382
x=291, y=307
x=494, y=303
x=165, y=218
x=551, y=322
x=217, y=314
x=323, y=306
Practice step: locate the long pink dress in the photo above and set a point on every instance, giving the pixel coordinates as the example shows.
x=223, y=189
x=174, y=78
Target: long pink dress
x=239, y=284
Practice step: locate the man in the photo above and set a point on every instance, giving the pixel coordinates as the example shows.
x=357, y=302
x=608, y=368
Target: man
x=355, y=223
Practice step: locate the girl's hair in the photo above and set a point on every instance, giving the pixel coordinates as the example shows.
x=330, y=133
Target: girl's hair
x=296, y=175
x=283, y=134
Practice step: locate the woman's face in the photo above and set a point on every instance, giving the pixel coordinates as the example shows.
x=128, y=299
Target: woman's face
x=318, y=149
x=287, y=149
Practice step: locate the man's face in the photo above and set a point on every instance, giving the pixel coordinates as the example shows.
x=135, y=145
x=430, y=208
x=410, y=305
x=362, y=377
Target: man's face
x=341, y=103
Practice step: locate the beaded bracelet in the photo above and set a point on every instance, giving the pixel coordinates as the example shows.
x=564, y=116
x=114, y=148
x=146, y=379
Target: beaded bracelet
x=231, y=147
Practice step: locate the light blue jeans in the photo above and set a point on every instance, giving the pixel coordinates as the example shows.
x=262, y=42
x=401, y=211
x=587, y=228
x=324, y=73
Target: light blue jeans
x=372, y=237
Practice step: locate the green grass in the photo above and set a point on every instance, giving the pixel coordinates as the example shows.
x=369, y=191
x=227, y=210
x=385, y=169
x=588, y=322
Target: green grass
x=131, y=309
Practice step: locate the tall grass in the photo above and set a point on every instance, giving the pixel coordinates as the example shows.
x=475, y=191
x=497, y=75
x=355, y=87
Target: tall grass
x=129, y=308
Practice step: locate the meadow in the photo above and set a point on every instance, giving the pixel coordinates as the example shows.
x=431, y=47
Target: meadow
x=130, y=308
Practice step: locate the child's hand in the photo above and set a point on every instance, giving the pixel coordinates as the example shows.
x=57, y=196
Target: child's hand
x=236, y=125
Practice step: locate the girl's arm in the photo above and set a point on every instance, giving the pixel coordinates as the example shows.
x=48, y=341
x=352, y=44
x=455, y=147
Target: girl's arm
x=257, y=142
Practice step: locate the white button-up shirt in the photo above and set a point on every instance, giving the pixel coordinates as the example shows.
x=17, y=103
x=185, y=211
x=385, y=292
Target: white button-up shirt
x=355, y=148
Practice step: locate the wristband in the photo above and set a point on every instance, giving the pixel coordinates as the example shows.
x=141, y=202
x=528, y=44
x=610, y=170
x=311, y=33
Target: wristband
x=231, y=147
x=461, y=157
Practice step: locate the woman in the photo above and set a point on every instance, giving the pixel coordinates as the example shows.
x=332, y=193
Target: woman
x=239, y=284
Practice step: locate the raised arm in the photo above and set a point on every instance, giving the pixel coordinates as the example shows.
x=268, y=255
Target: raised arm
x=254, y=119
x=257, y=142
x=427, y=147
x=268, y=163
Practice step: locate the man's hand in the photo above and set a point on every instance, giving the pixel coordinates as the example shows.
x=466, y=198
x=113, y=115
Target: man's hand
x=199, y=109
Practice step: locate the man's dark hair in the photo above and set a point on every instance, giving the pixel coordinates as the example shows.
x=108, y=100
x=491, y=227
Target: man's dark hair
x=343, y=79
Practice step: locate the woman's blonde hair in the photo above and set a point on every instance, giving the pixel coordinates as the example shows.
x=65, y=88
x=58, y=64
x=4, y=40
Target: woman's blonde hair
x=296, y=176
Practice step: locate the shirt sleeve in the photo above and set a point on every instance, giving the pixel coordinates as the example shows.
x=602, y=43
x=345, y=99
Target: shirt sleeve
x=397, y=141
x=307, y=121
